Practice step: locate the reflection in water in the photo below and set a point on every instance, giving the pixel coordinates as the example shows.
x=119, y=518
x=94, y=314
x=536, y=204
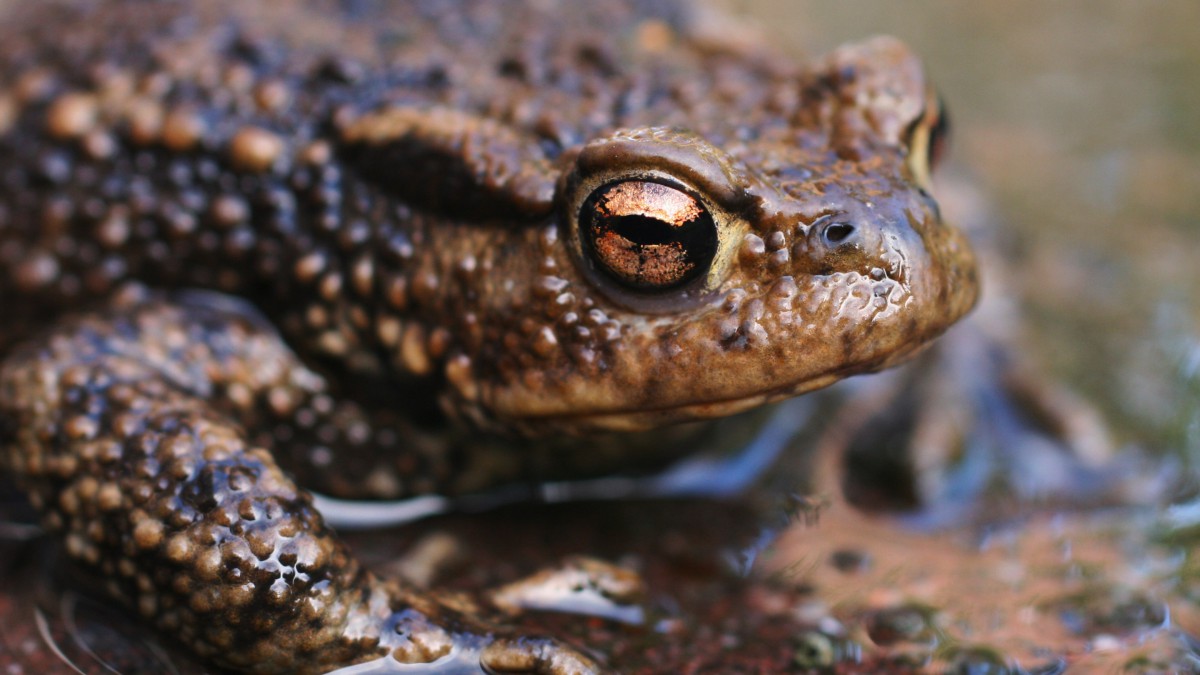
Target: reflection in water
x=463, y=659
x=85, y=634
x=47, y=626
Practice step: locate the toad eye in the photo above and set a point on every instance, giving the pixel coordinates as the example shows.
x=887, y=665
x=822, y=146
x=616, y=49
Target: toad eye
x=647, y=235
x=939, y=134
x=927, y=140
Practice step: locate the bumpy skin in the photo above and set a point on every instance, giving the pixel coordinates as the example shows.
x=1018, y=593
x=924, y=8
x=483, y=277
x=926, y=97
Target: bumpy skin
x=397, y=188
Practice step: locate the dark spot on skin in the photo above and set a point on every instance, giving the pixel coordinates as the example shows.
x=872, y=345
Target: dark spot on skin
x=437, y=76
x=249, y=50
x=850, y=561
x=599, y=57
x=850, y=342
x=513, y=67
x=339, y=70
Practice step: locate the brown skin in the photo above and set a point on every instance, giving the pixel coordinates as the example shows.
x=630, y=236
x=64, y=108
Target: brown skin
x=400, y=193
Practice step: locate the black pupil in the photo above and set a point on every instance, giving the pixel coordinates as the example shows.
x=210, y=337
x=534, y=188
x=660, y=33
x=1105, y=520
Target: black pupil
x=647, y=231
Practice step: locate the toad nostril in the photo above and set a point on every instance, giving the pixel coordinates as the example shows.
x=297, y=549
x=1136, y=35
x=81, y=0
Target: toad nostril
x=837, y=233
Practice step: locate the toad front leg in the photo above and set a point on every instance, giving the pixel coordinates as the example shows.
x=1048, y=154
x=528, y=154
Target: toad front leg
x=124, y=428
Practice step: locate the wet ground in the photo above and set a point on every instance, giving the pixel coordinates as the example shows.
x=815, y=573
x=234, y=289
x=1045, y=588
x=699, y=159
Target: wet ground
x=1080, y=123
